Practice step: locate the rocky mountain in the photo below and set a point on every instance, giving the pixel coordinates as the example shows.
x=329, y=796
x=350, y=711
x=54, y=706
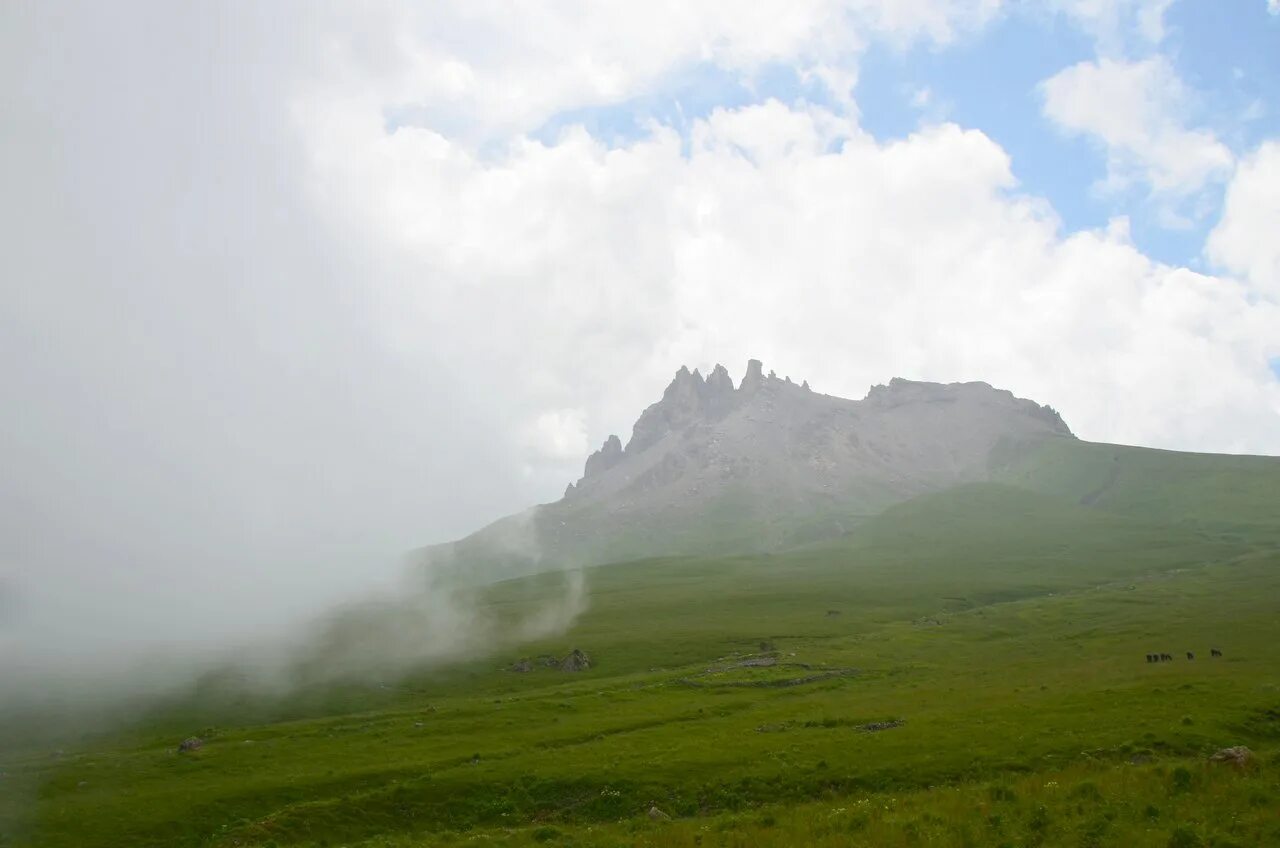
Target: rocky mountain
x=761, y=466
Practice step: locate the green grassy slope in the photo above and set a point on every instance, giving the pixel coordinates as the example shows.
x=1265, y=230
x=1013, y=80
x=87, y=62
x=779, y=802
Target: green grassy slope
x=1235, y=496
x=967, y=670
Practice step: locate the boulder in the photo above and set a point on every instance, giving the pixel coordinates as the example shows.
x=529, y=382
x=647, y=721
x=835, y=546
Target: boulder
x=191, y=743
x=657, y=815
x=576, y=661
x=522, y=666
x=1238, y=756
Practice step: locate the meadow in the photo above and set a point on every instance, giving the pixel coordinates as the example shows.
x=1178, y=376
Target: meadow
x=968, y=669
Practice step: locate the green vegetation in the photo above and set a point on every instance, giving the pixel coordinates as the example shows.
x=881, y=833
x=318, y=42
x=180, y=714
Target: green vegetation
x=968, y=669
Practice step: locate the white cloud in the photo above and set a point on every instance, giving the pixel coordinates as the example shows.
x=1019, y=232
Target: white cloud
x=479, y=70
x=787, y=233
x=1273, y=6
x=1245, y=240
x=1114, y=23
x=559, y=435
x=1138, y=112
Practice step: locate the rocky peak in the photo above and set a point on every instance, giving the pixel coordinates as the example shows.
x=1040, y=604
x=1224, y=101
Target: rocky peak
x=754, y=378
x=719, y=382
x=687, y=399
x=691, y=400
x=604, y=459
x=901, y=391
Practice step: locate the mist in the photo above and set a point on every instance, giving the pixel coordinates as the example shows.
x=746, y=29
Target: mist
x=210, y=440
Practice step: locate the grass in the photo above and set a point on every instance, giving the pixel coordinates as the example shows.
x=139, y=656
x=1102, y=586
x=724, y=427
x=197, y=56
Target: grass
x=968, y=669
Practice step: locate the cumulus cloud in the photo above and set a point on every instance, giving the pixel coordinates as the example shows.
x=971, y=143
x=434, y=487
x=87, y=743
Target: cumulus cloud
x=1116, y=23
x=1137, y=112
x=485, y=69
x=787, y=232
x=1244, y=241
x=559, y=434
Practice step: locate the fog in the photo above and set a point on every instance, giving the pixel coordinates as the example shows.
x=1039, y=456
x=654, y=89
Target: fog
x=288, y=292
x=207, y=438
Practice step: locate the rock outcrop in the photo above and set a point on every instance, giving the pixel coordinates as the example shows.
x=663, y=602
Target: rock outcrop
x=1238, y=756
x=575, y=661
x=609, y=455
x=770, y=463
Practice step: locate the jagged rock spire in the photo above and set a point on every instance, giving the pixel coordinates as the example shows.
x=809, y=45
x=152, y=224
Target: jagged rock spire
x=754, y=377
x=605, y=458
x=688, y=399
x=719, y=382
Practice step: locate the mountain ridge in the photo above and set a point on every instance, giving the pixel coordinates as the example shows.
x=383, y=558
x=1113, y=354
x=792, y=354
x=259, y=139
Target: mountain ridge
x=752, y=468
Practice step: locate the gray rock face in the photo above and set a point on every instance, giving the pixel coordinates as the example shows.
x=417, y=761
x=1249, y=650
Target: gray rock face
x=711, y=468
x=609, y=455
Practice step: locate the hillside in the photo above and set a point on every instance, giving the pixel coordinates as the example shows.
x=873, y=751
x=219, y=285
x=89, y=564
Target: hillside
x=922, y=618
x=967, y=669
x=1236, y=497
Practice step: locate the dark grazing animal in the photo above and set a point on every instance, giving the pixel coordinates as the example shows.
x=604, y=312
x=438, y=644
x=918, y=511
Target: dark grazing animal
x=1190, y=655
x=1166, y=658
x=1214, y=652
x=1151, y=658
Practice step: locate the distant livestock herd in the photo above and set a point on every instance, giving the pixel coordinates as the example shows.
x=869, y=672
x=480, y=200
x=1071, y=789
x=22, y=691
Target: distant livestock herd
x=1152, y=658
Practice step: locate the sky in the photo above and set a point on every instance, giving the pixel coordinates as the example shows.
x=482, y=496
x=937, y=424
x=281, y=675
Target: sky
x=288, y=289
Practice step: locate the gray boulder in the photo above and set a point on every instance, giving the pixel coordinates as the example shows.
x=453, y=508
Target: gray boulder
x=575, y=661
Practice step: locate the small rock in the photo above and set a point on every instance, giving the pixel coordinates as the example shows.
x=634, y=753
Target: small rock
x=522, y=666
x=191, y=743
x=82, y=784
x=1238, y=755
x=657, y=815
x=758, y=662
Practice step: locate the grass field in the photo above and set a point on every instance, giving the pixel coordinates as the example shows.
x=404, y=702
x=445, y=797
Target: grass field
x=968, y=669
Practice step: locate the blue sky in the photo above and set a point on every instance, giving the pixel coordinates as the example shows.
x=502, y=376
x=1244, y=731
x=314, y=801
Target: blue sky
x=1227, y=54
